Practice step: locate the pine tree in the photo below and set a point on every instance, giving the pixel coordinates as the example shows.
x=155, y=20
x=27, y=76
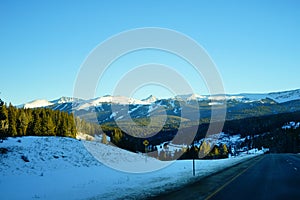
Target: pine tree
x=36, y=123
x=62, y=128
x=22, y=123
x=3, y=120
x=12, y=118
x=224, y=151
x=47, y=126
x=3, y=116
x=117, y=136
x=73, y=128
x=215, y=152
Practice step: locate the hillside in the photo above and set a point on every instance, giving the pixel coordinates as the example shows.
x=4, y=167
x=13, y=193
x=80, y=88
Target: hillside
x=62, y=168
x=159, y=120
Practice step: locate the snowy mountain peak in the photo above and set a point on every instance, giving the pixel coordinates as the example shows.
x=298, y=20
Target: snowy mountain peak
x=117, y=100
x=285, y=96
x=108, y=99
x=195, y=97
x=78, y=104
x=65, y=100
x=191, y=97
x=38, y=103
x=150, y=99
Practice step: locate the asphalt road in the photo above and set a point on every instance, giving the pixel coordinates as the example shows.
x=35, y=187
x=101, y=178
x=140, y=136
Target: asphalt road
x=272, y=176
x=276, y=176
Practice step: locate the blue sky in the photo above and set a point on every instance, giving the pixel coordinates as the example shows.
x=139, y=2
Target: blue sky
x=255, y=44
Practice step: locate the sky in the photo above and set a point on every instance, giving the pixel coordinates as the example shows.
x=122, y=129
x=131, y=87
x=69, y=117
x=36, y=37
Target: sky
x=255, y=45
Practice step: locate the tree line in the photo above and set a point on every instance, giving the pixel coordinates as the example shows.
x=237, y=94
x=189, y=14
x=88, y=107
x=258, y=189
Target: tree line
x=203, y=151
x=15, y=122
x=262, y=131
x=35, y=122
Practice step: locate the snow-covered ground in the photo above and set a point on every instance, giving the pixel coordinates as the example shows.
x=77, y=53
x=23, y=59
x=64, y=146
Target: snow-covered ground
x=291, y=125
x=63, y=168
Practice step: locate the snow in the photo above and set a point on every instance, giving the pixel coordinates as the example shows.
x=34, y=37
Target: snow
x=279, y=97
x=215, y=103
x=172, y=103
x=119, y=118
x=83, y=136
x=38, y=103
x=191, y=97
x=113, y=115
x=291, y=125
x=62, y=168
x=66, y=100
x=153, y=107
x=117, y=100
x=216, y=99
x=150, y=99
x=134, y=109
x=195, y=97
x=214, y=139
x=285, y=96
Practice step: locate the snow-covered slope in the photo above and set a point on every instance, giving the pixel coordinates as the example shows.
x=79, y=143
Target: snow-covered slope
x=120, y=108
x=85, y=105
x=78, y=104
x=279, y=97
x=62, y=168
x=38, y=103
x=116, y=100
x=150, y=99
x=66, y=100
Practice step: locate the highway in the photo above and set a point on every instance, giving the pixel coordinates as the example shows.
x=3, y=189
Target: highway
x=271, y=176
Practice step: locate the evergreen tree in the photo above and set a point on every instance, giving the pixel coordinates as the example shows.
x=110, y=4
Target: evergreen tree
x=73, y=129
x=12, y=116
x=215, y=153
x=35, y=125
x=194, y=151
x=224, y=151
x=3, y=116
x=47, y=126
x=62, y=128
x=117, y=136
x=3, y=120
x=22, y=123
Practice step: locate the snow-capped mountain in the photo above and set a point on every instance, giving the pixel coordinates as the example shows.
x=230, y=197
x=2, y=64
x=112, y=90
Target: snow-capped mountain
x=279, y=97
x=110, y=108
x=150, y=99
x=192, y=97
x=66, y=100
x=37, y=103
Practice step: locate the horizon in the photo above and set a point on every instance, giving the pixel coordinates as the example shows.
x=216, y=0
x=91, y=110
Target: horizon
x=44, y=45
x=144, y=98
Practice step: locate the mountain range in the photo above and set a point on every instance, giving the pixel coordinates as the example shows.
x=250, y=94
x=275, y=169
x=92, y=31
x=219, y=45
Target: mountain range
x=121, y=108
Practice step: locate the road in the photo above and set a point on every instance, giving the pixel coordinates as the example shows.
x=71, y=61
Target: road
x=271, y=176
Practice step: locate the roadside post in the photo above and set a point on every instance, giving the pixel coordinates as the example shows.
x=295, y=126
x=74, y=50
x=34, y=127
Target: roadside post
x=193, y=166
x=146, y=143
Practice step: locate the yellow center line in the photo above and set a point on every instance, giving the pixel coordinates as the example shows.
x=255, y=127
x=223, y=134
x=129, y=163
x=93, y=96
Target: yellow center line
x=227, y=183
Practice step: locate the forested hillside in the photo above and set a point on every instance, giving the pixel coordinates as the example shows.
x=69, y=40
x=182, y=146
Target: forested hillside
x=41, y=122
x=262, y=131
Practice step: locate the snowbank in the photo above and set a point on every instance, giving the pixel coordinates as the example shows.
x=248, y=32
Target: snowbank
x=62, y=168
